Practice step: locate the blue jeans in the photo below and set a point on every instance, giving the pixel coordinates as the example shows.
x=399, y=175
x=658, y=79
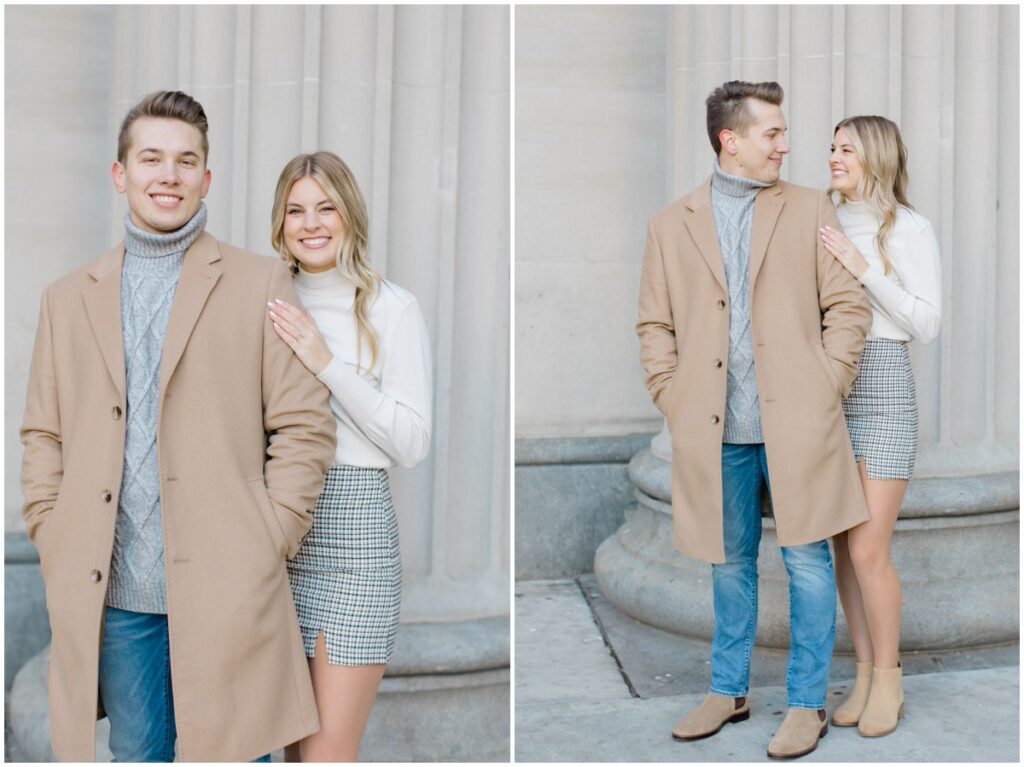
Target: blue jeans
x=812, y=591
x=135, y=685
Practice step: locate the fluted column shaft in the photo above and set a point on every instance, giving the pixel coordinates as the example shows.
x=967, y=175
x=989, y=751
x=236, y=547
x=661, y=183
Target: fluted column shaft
x=945, y=74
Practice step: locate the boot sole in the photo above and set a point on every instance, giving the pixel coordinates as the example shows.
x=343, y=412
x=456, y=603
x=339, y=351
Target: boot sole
x=741, y=717
x=824, y=732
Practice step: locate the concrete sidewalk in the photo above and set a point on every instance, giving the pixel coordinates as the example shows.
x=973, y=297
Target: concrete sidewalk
x=593, y=685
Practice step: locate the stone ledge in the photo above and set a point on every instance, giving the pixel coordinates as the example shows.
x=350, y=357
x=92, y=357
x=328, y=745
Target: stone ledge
x=539, y=451
x=451, y=647
x=926, y=497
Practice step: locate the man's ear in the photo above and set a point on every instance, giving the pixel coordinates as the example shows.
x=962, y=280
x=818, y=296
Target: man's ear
x=117, y=174
x=207, y=178
x=728, y=140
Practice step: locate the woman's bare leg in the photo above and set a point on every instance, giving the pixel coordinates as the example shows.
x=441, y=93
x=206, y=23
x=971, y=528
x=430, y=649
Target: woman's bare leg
x=849, y=592
x=344, y=697
x=879, y=583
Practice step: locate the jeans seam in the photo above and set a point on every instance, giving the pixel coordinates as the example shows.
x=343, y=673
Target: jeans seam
x=751, y=626
x=168, y=703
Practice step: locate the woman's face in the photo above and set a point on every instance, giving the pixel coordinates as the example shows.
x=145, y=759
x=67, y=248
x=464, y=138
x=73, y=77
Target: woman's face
x=845, y=165
x=313, y=226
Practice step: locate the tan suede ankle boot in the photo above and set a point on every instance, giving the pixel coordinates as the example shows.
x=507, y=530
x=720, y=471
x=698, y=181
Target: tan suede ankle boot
x=711, y=716
x=848, y=714
x=884, y=708
x=799, y=734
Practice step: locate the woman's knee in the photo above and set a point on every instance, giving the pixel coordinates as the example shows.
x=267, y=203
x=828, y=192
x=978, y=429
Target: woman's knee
x=869, y=557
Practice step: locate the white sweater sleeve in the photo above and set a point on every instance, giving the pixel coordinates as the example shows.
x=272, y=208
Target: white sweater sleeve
x=397, y=417
x=916, y=304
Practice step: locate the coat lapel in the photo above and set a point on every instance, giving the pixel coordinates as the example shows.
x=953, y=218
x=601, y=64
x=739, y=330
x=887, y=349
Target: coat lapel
x=700, y=221
x=198, y=276
x=103, y=307
x=767, y=208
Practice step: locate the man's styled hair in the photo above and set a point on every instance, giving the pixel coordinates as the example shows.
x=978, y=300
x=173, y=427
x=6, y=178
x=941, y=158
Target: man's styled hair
x=170, y=105
x=727, y=107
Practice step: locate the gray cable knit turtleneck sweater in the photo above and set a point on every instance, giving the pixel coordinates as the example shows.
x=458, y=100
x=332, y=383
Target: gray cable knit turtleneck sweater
x=152, y=266
x=732, y=200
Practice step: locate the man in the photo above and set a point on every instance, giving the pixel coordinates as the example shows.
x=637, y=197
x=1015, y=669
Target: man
x=750, y=333
x=174, y=447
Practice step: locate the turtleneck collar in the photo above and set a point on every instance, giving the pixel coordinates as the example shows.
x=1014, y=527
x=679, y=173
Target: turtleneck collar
x=139, y=242
x=735, y=186
x=855, y=204
x=331, y=279
x=858, y=209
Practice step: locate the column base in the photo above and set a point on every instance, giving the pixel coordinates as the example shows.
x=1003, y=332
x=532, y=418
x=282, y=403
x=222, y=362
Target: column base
x=959, y=576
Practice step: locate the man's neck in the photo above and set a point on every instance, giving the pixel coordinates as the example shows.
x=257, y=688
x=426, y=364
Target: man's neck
x=728, y=164
x=141, y=242
x=733, y=184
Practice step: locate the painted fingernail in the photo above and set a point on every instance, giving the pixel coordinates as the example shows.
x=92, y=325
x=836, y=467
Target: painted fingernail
x=278, y=300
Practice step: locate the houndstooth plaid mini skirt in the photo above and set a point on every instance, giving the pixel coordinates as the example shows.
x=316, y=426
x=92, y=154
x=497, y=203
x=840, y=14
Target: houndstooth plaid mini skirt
x=881, y=410
x=347, y=576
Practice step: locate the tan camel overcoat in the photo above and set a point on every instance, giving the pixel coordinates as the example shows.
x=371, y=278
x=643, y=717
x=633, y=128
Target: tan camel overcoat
x=245, y=435
x=809, y=319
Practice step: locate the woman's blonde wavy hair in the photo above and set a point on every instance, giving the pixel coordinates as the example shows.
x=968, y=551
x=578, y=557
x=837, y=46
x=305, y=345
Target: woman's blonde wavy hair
x=883, y=183
x=338, y=183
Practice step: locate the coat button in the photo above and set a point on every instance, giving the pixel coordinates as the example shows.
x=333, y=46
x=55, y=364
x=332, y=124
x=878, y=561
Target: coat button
x=116, y=412
x=721, y=304
x=714, y=419
x=105, y=496
x=718, y=363
x=96, y=576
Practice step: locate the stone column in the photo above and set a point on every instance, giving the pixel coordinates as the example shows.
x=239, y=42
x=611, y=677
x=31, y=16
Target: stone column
x=416, y=100
x=956, y=543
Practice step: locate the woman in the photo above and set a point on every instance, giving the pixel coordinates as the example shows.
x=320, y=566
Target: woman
x=893, y=252
x=366, y=340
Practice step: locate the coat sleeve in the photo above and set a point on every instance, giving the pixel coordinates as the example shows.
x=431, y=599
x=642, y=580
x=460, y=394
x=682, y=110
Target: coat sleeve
x=42, y=466
x=656, y=326
x=845, y=311
x=299, y=426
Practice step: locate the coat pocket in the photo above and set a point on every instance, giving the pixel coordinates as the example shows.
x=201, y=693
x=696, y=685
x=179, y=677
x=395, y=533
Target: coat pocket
x=258, y=491
x=833, y=380
x=46, y=536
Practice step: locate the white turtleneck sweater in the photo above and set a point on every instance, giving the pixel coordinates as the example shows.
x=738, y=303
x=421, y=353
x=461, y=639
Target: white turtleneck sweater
x=383, y=415
x=907, y=302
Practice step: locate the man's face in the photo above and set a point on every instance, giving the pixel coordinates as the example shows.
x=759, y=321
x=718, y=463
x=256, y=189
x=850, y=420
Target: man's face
x=758, y=153
x=164, y=174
